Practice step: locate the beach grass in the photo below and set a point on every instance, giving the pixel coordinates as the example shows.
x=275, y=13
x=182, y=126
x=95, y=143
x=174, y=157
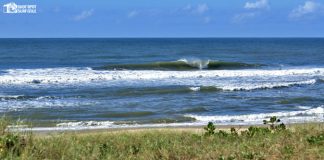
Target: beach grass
x=301, y=141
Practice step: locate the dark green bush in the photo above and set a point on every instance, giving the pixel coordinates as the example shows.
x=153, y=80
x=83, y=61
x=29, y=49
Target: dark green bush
x=210, y=129
x=274, y=124
x=252, y=131
x=318, y=139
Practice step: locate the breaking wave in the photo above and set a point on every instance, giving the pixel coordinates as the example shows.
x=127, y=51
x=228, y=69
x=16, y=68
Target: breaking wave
x=310, y=114
x=200, y=80
x=302, y=116
x=181, y=65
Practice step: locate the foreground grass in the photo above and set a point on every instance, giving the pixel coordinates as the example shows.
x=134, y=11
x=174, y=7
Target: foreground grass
x=305, y=141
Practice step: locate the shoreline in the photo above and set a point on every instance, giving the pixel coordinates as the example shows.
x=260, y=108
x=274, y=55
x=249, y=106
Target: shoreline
x=194, y=129
x=291, y=141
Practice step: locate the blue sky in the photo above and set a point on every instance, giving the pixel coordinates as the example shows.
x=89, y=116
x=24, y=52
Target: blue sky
x=166, y=18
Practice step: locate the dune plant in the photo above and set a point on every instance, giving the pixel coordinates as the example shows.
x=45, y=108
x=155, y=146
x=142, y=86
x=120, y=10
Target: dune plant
x=210, y=129
x=11, y=143
x=274, y=123
x=317, y=139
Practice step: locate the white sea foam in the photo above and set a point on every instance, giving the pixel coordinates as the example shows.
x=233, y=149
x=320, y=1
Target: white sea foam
x=313, y=114
x=304, y=107
x=266, y=85
x=85, y=124
x=194, y=88
x=309, y=115
x=10, y=96
x=198, y=63
x=223, y=79
x=41, y=102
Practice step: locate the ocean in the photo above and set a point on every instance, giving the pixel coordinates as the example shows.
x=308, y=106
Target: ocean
x=80, y=83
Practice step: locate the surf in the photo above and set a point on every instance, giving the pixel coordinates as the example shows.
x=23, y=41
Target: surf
x=309, y=114
x=231, y=80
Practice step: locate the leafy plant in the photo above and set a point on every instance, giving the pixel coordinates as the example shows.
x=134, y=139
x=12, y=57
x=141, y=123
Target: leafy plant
x=222, y=133
x=11, y=143
x=249, y=155
x=134, y=149
x=274, y=123
x=103, y=149
x=318, y=139
x=210, y=129
x=234, y=132
x=230, y=157
x=252, y=131
x=287, y=151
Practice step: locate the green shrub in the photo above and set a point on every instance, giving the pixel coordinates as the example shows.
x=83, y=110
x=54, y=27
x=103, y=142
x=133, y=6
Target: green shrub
x=209, y=129
x=234, y=132
x=222, y=133
x=252, y=131
x=11, y=143
x=318, y=139
x=274, y=124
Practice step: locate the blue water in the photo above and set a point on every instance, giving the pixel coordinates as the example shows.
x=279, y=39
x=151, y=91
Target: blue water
x=92, y=83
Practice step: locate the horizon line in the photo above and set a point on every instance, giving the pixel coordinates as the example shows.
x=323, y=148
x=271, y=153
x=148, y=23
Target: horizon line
x=144, y=37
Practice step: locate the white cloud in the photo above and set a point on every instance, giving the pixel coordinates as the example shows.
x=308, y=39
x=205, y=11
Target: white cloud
x=199, y=9
x=259, y=4
x=132, y=14
x=84, y=15
x=243, y=16
x=202, y=8
x=308, y=8
x=253, y=12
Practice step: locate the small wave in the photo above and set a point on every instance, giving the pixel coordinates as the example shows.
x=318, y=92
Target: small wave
x=13, y=97
x=181, y=65
x=125, y=114
x=165, y=90
x=125, y=124
x=313, y=113
x=152, y=90
x=248, y=86
x=309, y=115
x=24, y=97
x=304, y=107
x=268, y=85
x=295, y=100
x=85, y=123
x=2, y=72
x=194, y=110
x=41, y=103
x=320, y=80
x=205, y=89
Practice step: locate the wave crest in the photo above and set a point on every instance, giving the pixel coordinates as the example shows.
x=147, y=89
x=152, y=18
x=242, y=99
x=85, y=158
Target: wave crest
x=180, y=65
x=196, y=63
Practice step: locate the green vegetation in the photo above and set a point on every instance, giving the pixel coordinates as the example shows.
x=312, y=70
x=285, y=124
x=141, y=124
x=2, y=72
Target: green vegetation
x=272, y=141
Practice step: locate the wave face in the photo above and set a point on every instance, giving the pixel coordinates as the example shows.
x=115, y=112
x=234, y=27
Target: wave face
x=181, y=65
